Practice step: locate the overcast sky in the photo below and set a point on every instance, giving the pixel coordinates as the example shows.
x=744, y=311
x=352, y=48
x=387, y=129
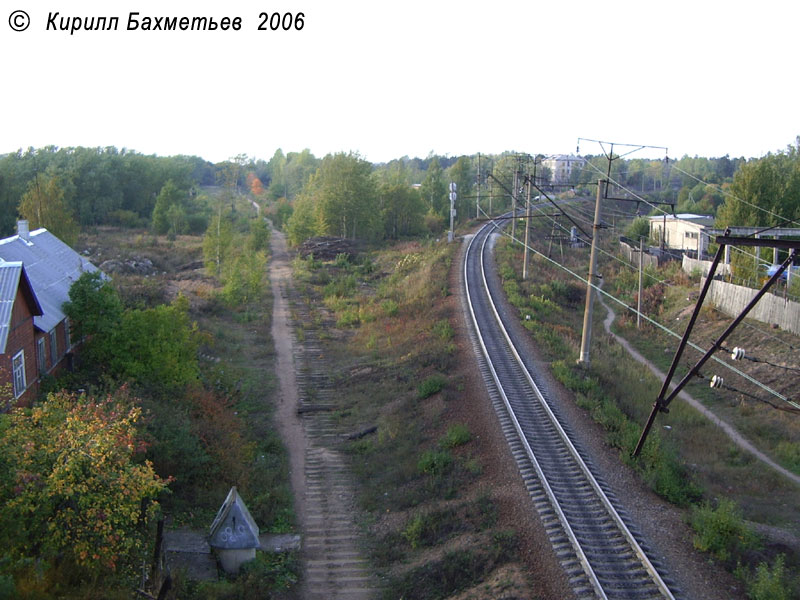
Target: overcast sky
x=407, y=78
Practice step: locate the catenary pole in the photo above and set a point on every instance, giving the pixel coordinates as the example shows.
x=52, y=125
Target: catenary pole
x=586, y=337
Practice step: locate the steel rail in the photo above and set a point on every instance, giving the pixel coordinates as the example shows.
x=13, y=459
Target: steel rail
x=610, y=510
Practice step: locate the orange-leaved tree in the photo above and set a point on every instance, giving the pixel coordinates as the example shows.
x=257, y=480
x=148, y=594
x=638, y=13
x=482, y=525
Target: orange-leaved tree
x=74, y=490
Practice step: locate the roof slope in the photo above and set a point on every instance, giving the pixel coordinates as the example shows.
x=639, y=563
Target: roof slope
x=52, y=266
x=12, y=276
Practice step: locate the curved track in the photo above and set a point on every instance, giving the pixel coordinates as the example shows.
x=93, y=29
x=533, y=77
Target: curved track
x=594, y=542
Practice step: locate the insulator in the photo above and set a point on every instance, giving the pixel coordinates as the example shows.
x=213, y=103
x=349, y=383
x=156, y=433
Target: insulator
x=716, y=381
x=738, y=353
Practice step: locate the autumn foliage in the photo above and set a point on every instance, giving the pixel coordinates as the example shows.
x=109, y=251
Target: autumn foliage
x=73, y=485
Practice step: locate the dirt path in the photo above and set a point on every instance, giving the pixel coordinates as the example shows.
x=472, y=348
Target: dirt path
x=286, y=418
x=333, y=564
x=736, y=437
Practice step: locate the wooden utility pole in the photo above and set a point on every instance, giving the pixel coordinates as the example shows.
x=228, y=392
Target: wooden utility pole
x=514, y=207
x=639, y=301
x=527, y=229
x=478, y=199
x=586, y=338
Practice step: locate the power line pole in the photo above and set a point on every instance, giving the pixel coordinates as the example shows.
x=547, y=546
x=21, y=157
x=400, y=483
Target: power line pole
x=639, y=301
x=478, y=199
x=452, y=209
x=527, y=228
x=586, y=338
x=514, y=206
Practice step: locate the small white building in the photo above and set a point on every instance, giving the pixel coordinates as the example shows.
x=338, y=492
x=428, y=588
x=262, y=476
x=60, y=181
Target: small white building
x=685, y=232
x=561, y=166
x=234, y=533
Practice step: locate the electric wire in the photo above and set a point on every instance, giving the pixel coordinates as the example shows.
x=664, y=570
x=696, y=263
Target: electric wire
x=654, y=322
x=657, y=208
x=735, y=390
x=760, y=360
x=734, y=197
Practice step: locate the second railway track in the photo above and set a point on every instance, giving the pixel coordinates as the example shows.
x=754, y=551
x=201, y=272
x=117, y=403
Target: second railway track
x=597, y=546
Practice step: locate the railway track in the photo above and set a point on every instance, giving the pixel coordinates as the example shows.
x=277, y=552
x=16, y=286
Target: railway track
x=599, y=549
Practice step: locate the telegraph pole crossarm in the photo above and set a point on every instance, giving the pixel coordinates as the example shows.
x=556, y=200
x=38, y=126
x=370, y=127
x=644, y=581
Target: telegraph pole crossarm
x=663, y=401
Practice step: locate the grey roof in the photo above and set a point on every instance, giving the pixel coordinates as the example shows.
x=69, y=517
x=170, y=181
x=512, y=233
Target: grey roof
x=233, y=527
x=52, y=266
x=12, y=275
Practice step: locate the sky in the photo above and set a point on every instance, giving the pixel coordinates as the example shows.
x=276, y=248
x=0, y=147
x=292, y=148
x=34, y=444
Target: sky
x=393, y=79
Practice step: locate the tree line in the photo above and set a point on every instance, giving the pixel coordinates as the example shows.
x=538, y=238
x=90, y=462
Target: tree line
x=341, y=194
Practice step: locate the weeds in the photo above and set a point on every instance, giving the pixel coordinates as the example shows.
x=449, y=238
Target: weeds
x=430, y=386
x=457, y=435
x=721, y=531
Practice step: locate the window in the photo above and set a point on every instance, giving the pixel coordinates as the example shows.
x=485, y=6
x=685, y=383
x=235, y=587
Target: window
x=67, y=341
x=40, y=358
x=18, y=366
x=53, y=347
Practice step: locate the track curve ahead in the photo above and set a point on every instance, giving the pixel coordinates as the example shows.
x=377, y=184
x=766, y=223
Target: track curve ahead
x=593, y=539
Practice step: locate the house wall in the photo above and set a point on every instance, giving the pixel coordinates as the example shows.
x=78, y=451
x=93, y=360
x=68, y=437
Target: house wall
x=677, y=231
x=21, y=337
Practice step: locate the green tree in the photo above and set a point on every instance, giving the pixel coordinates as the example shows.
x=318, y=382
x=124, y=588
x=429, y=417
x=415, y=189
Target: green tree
x=275, y=168
x=639, y=229
x=765, y=192
x=217, y=243
x=402, y=210
x=463, y=175
x=258, y=240
x=73, y=489
x=169, y=213
x=434, y=188
x=302, y=223
x=43, y=206
x=157, y=348
x=344, y=194
x=95, y=311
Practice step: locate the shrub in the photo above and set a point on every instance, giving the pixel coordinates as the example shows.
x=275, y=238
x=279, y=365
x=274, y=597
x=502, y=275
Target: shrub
x=435, y=462
x=348, y=318
x=443, y=330
x=721, y=531
x=770, y=584
x=457, y=435
x=390, y=307
x=430, y=386
x=343, y=286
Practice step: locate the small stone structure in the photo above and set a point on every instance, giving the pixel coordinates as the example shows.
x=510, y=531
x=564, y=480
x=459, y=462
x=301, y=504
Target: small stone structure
x=234, y=534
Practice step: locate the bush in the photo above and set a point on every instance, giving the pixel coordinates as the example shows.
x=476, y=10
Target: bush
x=457, y=435
x=430, y=386
x=435, y=462
x=390, y=307
x=721, y=531
x=770, y=584
x=443, y=330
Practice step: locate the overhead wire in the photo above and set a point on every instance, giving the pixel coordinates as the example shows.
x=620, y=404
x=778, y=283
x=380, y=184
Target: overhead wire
x=734, y=197
x=652, y=321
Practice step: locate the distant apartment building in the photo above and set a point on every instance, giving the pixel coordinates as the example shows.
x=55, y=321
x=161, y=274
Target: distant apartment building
x=561, y=167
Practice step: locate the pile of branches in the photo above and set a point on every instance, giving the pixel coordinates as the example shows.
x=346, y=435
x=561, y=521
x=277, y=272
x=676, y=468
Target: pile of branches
x=328, y=248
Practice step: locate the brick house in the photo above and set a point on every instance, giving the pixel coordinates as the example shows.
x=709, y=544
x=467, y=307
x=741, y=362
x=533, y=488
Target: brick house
x=46, y=269
x=18, y=308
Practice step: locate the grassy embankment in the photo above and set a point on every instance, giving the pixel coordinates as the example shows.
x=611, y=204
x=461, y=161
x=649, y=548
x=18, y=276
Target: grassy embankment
x=434, y=526
x=690, y=462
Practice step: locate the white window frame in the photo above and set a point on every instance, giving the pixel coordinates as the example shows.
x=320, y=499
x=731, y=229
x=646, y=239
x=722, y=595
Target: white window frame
x=18, y=368
x=41, y=357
